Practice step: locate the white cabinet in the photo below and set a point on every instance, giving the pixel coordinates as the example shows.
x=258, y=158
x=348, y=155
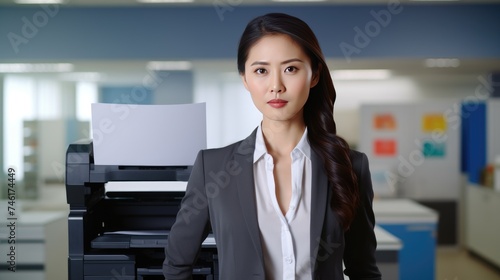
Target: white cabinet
x=41, y=244
x=482, y=221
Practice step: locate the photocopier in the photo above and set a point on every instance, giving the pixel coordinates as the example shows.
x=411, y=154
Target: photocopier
x=120, y=218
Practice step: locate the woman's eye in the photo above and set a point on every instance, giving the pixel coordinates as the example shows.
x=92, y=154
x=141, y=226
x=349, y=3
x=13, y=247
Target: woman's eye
x=291, y=69
x=260, y=71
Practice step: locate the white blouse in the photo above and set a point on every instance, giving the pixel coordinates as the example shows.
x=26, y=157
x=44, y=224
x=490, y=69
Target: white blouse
x=285, y=238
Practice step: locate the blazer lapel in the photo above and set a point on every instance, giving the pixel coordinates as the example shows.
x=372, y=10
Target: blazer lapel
x=246, y=190
x=319, y=195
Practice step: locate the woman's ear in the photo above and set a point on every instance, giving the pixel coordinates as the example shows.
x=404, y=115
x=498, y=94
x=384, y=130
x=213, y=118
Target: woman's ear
x=244, y=80
x=315, y=77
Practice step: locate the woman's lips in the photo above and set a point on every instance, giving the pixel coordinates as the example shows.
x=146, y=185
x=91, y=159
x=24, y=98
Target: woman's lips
x=277, y=103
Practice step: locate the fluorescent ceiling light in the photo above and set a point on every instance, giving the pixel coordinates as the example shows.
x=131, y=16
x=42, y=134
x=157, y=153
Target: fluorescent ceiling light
x=165, y=1
x=35, y=67
x=82, y=76
x=169, y=65
x=363, y=74
x=442, y=62
x=38, y=1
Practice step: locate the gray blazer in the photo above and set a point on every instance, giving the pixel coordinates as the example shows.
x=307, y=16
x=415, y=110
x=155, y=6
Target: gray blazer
x=220, y=197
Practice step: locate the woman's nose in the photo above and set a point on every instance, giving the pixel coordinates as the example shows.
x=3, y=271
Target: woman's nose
x=276, y=85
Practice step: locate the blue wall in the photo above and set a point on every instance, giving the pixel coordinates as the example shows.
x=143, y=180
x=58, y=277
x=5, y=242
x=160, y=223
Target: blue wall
x=464, y=31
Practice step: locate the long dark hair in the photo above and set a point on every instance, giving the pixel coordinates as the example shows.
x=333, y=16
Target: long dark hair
x=318, y=110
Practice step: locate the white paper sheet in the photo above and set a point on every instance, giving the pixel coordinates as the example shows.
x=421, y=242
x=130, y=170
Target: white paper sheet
x=148, y=135
x=145, y=186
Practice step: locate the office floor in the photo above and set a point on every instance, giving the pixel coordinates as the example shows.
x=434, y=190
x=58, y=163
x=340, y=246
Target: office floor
x=457, y=264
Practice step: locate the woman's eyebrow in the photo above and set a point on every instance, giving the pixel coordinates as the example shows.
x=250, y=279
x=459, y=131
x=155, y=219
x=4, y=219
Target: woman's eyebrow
x=284, y=62
x=292, y=60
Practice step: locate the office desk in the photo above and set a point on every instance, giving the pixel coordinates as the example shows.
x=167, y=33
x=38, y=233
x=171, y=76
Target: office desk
x=416, y=226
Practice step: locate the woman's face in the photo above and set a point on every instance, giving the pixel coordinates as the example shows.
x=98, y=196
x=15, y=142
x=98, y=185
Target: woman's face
x=278, y=75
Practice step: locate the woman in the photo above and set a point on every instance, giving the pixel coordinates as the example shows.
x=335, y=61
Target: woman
x=291, y=201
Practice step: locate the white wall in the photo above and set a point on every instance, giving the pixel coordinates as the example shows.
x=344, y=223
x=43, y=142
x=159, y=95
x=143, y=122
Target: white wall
x=408, y=171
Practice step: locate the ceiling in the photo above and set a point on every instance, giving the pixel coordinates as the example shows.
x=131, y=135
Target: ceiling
x=252, y=2
x=402, y=67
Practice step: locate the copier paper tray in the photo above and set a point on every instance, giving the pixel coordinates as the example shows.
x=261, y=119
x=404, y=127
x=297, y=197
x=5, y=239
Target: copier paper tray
x=138, y=239
x=140, y=253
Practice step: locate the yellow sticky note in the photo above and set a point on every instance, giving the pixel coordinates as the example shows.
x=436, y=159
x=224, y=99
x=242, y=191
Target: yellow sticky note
x=433, y=122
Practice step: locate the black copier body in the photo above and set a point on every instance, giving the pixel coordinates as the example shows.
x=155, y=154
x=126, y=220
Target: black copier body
x=122, y=235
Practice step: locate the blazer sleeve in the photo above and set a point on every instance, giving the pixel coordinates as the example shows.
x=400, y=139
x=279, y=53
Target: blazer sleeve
x=190, y=229
x=359, y=254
